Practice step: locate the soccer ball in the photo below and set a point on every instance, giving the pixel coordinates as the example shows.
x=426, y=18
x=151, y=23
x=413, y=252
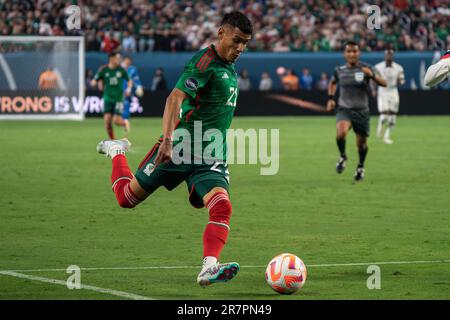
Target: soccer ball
x=286, y=273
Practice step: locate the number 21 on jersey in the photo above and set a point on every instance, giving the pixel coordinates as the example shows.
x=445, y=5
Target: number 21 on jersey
x=233, y=97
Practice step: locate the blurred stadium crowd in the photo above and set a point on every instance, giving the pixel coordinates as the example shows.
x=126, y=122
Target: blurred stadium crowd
x=291, y=25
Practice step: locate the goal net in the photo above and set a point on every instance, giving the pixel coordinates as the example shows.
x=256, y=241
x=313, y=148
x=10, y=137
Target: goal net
x=41, y=77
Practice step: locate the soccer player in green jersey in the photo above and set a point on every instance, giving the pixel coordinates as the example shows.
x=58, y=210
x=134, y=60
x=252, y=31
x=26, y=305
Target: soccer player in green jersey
x=110, y=79
x=202, y=102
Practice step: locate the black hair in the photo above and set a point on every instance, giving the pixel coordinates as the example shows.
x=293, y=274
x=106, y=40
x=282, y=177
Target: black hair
x=351, y=43
x=239, y=20
x=113, y=54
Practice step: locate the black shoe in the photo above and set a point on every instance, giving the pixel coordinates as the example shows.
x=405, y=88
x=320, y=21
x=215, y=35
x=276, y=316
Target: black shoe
x=359, y=174
x=340, y=165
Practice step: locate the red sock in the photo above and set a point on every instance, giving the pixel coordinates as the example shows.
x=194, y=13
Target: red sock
x=216, y=231
x=120, y=179
x=110, y=133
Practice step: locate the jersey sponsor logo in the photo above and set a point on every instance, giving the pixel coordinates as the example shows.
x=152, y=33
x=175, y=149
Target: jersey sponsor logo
x=191, y=83
x=149, y=168
x=359, y=76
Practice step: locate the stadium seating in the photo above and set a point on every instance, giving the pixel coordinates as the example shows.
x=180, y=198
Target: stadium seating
x=312, y=25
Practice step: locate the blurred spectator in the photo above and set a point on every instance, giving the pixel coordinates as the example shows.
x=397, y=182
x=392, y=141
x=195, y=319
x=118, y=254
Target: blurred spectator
x=266, y=82
x=291, y=25
x=244, y=83
x=290, y=81
x=109, y=43
x=128, y=42
x=159, y=83
x=48, y=80
x=322, y=84
x=306, y=79
x=146, y=40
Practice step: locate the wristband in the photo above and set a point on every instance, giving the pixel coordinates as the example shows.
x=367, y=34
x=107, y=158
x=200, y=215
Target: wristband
x=330, y=97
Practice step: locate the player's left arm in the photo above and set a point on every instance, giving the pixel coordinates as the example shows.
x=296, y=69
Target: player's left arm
x=401, y=77
x=137, y=83
x=129, y=83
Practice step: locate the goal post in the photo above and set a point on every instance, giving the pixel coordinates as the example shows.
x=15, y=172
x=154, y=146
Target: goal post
x=42, y=77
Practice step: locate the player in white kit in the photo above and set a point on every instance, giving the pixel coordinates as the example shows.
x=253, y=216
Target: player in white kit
x=388, y=97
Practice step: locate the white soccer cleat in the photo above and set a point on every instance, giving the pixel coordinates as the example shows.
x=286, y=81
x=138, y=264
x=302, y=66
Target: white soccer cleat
x=388, y=141
x=113, y=147
x=220, y=272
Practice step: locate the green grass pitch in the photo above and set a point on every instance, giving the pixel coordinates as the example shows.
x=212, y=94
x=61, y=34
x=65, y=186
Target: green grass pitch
x=57, y=209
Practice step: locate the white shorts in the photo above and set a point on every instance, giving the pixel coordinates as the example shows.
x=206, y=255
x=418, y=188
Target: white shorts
x=388, y=103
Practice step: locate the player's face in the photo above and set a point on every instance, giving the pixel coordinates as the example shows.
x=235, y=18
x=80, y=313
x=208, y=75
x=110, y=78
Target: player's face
x=389, y=55
x=115, y=60
x=232, y=42
x=126, y=62
x=351, y=54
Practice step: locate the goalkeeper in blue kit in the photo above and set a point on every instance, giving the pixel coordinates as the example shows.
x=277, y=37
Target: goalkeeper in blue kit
x=137, y=90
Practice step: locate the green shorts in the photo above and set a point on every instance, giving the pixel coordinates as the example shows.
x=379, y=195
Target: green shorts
x=199, y=178
x=360, y=119
x=113, y=107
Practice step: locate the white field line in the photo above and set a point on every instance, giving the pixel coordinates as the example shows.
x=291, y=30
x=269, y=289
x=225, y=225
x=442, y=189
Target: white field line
x=121, y=294
x=249, y=266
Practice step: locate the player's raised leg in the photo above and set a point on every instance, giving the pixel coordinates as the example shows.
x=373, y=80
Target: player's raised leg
x=214, y=238
x=124, y=185
x=361, y=142
x=342, y=128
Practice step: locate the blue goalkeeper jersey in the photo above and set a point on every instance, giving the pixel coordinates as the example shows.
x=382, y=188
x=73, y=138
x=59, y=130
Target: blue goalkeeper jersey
x=134, y=76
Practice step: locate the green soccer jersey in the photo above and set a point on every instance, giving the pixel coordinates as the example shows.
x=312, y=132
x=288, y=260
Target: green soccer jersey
x=112, y=82
x=211, y=85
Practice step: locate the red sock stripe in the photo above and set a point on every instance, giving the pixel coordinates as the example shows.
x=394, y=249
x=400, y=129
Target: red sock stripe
x=132, y=199
x=149, y=155
x=114, y=186
x=216, y=198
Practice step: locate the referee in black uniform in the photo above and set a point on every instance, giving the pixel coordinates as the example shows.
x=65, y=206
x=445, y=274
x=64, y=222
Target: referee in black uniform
x=352, y=102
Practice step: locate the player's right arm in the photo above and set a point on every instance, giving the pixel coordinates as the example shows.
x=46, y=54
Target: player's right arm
x=170, y=120
x=332, y=86
x=98, y=79
x=439, y=71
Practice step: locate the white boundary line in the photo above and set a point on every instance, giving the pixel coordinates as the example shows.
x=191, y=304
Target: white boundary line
x=249, y=266
x=121, y=294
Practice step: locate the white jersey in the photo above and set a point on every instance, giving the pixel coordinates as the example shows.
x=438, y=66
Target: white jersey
x=388, y=97
x=394, y=75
